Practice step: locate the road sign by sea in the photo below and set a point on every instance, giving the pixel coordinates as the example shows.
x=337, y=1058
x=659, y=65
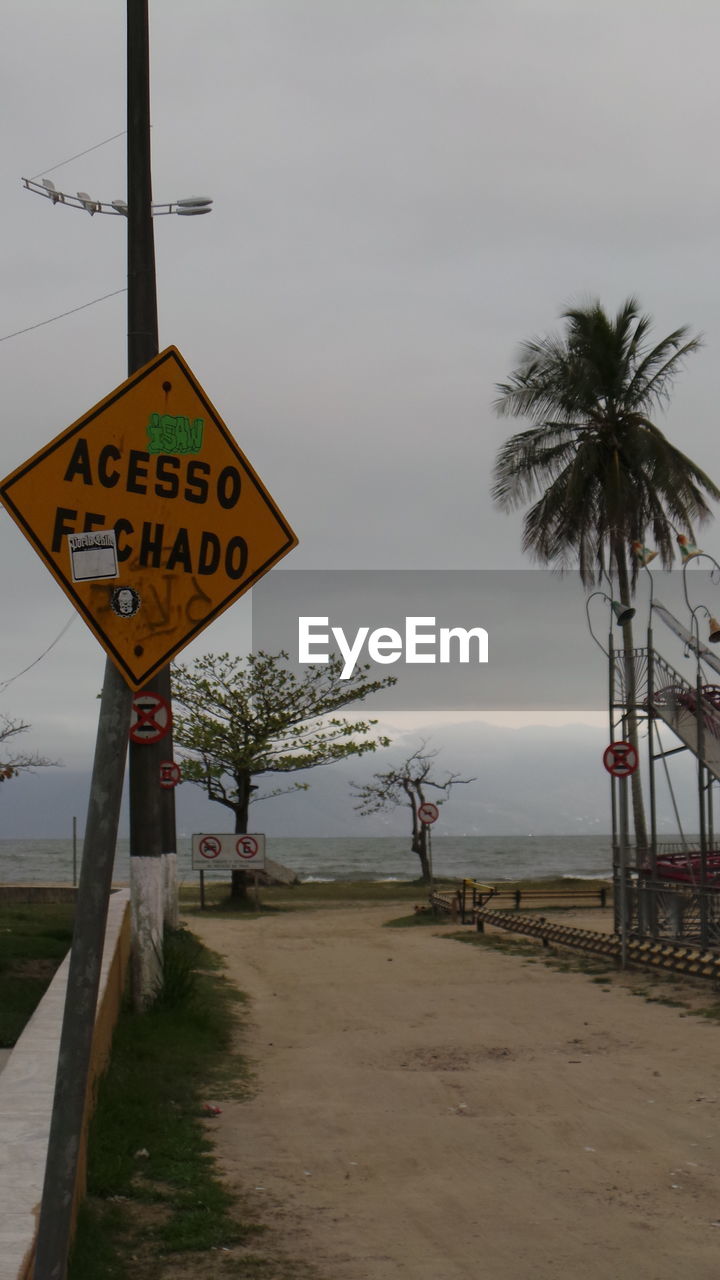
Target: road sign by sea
x=149, y=516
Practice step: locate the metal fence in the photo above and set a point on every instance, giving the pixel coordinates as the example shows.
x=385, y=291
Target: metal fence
x=677, y=912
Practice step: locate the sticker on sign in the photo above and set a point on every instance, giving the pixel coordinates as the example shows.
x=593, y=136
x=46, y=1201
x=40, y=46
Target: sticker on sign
x=228, y=850
x=93, y=555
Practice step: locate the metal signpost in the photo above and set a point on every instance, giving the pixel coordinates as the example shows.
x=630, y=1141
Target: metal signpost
x=621, y=760
x=429, y=813
x=226, y=850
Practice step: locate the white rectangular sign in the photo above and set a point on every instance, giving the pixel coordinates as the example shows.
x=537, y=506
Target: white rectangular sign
x=93, y=555
x=228, y=850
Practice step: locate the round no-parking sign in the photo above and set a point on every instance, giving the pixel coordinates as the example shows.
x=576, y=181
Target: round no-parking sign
x=150, y=718
x=620, y=759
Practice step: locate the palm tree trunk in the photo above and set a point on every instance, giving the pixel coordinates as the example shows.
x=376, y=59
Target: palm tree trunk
x=638, y=803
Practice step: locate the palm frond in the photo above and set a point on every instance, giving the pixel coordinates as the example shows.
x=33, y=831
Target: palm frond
x=598, y=472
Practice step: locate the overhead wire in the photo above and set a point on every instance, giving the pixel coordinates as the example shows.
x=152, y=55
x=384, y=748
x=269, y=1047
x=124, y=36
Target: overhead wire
x=5, y=684
x=86, y=152
x=62, y=315
x=11, y=679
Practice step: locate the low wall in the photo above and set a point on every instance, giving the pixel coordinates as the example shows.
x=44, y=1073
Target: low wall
x=27, y=1087
x=15, y=894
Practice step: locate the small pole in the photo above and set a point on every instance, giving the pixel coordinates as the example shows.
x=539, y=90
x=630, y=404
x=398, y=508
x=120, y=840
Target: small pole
x=623, y=784
x=202, y=889
x=74, y=851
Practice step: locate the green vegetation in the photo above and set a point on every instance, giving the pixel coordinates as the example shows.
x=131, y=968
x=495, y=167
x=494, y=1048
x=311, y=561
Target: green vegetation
x=675, y=991
x=335, y=893
x=419, y=919
x=240, y=719
x=33, y=942
x=155, y=1201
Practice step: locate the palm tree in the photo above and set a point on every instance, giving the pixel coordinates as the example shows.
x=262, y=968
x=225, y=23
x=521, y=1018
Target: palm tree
x=603, y=473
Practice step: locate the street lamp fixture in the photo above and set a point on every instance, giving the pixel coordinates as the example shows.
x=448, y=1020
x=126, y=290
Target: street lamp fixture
x=697, y=554
x=621, y=612
x=189, y=207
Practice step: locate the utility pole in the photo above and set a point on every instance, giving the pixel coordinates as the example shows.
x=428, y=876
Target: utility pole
x=147, y=835
x=152, y=810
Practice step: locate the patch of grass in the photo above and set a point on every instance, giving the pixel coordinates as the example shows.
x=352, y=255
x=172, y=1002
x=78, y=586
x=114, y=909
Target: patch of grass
x=711, y=1012
x=673, y=990
x=421, y=918
x=313, y=896
x=143, y=1210
x=667, y=1000
x=33, y=942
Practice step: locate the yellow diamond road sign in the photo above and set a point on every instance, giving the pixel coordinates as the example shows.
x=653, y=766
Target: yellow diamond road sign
x=149, y=516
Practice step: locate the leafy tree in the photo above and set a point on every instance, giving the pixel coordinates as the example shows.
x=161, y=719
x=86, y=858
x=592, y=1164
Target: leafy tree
x=244, y=718
x=14, y=762
x=408, y=783
x=599, y=473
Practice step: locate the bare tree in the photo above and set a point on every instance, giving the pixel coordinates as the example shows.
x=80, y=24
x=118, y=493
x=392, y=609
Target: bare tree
x=14, y=762
x=407, y=783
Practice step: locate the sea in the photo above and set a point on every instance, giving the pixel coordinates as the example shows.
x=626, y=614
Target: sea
x=484, y=858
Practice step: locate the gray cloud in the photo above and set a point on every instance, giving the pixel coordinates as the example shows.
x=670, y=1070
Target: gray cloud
x=402, y=193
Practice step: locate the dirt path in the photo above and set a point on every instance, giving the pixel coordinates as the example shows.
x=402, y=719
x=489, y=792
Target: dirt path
x=435, y=1111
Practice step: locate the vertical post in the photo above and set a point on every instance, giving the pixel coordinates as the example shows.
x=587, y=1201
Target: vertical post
x=623, y=784
x=617, y=892
x=152, y=820
x=83, y=982
x=651, y=756
x=74, y=838
x=701, y=800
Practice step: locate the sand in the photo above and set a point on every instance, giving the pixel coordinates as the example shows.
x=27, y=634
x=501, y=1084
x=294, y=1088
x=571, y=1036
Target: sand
x=432, y=1110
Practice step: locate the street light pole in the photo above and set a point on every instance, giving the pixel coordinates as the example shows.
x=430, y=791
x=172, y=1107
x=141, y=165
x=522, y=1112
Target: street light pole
x=152, y=809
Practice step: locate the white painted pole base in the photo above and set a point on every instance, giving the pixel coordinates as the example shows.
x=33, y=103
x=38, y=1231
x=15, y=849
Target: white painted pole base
x=146, y=896
x=170, y=891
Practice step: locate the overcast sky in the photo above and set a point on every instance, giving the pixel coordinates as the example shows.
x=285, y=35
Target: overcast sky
x=404, y=190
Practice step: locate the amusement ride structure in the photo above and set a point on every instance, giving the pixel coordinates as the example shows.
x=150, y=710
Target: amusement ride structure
x=662, y=890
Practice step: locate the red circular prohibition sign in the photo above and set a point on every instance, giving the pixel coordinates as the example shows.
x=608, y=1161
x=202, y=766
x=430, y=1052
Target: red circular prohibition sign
x=210, y=847
x=620, y=759
x=150, y=718
x=247, y=847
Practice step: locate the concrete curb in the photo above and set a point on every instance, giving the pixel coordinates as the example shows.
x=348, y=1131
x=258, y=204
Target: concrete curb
x=27, y=1086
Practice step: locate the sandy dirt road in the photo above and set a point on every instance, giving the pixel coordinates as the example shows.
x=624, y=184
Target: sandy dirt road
x=432, y=1110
